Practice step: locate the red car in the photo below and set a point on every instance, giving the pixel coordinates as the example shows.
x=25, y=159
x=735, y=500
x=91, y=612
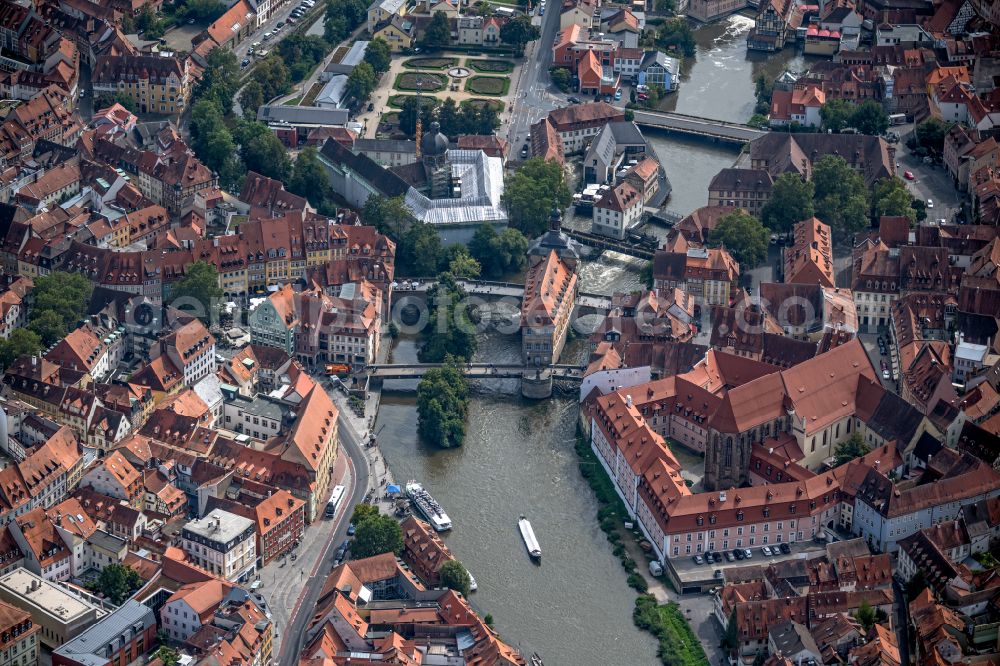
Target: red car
x=908, y=175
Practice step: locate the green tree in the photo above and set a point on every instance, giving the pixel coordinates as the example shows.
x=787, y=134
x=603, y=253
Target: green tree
x=361, y=82
x=791, y=201
x=930, y=135
x=518, y=31
x=450, y=335
x=443, y=405
x=363, y=512
x=22, y=342
x=377, y=535
x=836, y=114
x=117, y=582
x=198, y=292
x=893, y=198
x=743, y=236
x=408, y=115
x=562, y=78
x=866, y=616
x=676, y=34
x=418, y=253
x=220, y=80
x=498, y=254
x=851, y=448
x=532, y=191
x=763, y=89
x=732, y=638
x=378, y=55
x=60, y=302
x=335, y=28
x=127, y=101
x=870, y=117
x=204, y=10
x=454, y=576
x=461, y=264
x=437, y=35
x=166, y=655
x=251, y=99
x=272, y=75
x=262, y=151
x=390, y=216
x=841, y=197
x=211, y=139
x=309, y=179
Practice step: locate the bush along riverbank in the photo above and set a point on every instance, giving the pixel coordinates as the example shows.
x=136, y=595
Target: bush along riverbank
x=678, y=644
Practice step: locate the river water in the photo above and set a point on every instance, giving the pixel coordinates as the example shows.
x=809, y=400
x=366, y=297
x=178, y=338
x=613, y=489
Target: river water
x=575, y=608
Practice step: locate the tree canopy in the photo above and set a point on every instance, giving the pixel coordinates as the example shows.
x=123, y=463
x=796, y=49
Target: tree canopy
x=743, y=236
x=61, y=301
x=870, y=117
x=532, y=191
x=22, y=342
x=461, y=264
x=262, y=151
x=836, y=114
x=117, y=582
x=676, y=34
x=363, y=512
x=841, y=198
x=498, y=254
x=518, y=32
x=893, y=198
x=791, y=201
x=851, y=448
x=251, y=99
x=929, y=136
x=454, y=576
x=390, y=216
x=437, y=34
x=378, y=55
x=361, y=82
x=309, y=179
x=443, y=405
x=377, y=535
x=450, y=334
x=198, y=292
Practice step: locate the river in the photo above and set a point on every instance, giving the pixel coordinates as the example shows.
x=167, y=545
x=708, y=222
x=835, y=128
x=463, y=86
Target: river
x=518, y=456
x=718, y=83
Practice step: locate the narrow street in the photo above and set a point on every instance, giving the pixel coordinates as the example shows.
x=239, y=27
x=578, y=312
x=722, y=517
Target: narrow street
x=306, y=588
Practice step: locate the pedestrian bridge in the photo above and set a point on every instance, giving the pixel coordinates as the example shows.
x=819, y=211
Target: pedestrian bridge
x=573, y=373
x=502, y=289
x=684, y=124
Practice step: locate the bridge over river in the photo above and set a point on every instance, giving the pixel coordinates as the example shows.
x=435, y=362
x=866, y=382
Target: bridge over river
x=713, y=129
x=536, y=382
x=597, y=302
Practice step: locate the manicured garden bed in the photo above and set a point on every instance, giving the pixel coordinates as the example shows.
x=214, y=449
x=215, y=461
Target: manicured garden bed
x=398, y=100
x=492, y=66
x=421, y=81
x=430, y=63
x=479, y=103
x=487, y=85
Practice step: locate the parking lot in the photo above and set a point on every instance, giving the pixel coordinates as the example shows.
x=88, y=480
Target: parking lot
x=693, y=578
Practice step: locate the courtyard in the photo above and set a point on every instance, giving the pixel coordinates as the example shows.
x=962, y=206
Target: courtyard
x=470, y=80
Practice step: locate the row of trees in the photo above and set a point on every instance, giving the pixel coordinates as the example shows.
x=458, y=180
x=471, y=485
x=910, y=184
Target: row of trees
x=455, y=121
x=869, y=117
x=420, y=253
x=342, y=18
x=836, y=194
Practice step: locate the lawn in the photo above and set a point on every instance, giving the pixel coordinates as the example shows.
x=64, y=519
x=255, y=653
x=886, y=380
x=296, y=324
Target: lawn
x=398, y=100
x=487, y=85
x=491, y=66
x=421, y=81
x=478, y=103
x=678, y=644
x=430, y=63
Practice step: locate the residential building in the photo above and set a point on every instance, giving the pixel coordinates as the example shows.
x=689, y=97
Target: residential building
x=18, y=637
x=749, y=189
x=577, y=124
x=115, y=477
x=799, y=106
x=158, y=84
x=383, y=10
x=774, y=26
x=618, y=211
x=660, y=70
x=222, y=543
x=809, y=260
x=709, y=275
x=707, y=11
x=191, y=349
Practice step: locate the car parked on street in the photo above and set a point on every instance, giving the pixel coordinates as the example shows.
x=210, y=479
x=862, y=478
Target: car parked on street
x=748, y=553
x=698, y=559
x=729, y=557
x=786, y=549
x=573, y=100
x=766, y=550
x=739, y=554
x=908, y=175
